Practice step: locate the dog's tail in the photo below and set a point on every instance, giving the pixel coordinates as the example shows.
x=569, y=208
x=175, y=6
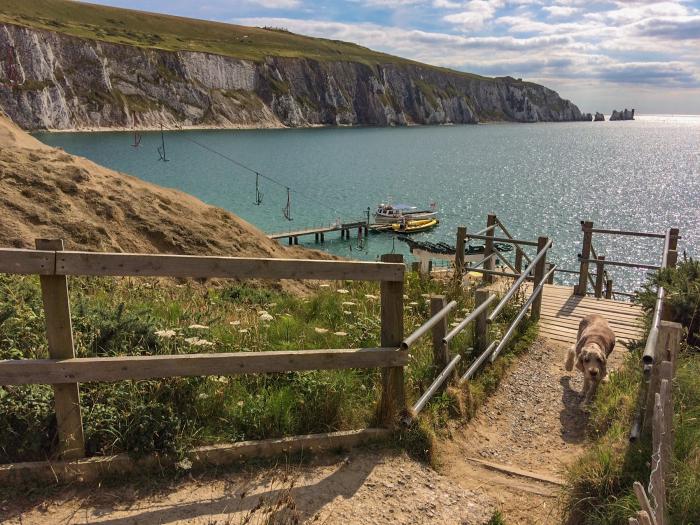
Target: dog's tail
x=570, y=358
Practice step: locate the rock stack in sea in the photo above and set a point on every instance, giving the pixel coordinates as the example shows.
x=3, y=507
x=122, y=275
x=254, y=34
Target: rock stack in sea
x=599, y=117
x=586, y=116
x=622, y=115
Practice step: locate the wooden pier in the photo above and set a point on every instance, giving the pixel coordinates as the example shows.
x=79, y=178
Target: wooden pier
x=319, y=232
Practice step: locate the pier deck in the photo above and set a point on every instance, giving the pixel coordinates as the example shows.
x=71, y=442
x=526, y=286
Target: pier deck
x=320, y=231
x=562, y=311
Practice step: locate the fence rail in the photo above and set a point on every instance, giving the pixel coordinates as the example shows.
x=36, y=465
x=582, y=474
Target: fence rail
x=536, y=269
x=65, y=372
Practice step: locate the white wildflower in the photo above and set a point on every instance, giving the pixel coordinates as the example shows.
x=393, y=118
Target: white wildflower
x=266, y=317
x=321, y=330
x=262, y=312
x=243, y=331
x=371, y=297
x=413, y=303
x=405, y=296
x=342, y=290
x=348, y=303
x=340, y=334
x=324, y=285
x=235, y=323
x=198, y=327
x=166, y=334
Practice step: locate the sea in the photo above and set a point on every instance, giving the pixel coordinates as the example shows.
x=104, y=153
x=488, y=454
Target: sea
x=540, y=179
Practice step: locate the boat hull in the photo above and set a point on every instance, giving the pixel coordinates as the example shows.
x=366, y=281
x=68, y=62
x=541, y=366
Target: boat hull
x=416, y=216
x=415, y=226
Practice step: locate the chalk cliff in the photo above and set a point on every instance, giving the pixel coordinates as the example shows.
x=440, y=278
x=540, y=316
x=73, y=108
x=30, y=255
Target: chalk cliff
x=51, y=80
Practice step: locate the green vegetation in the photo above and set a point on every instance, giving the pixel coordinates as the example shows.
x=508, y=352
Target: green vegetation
x=114, y=316
x=600, y=483
x=171, y=33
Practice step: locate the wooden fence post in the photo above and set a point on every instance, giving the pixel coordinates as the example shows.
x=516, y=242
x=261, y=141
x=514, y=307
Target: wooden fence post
x=658, y=472
x=59, y=333
x=539, y=275
x=609, y=289
x=459, y=253
x=550, y=279
x=586, y=227
x=667, y=347
x=481, y=326
x=599, y=276
x=488, y=248
x=441, y=353
x=518, y=260
x=393, y=401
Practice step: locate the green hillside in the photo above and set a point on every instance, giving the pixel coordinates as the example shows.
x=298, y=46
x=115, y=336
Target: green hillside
x=172, y=33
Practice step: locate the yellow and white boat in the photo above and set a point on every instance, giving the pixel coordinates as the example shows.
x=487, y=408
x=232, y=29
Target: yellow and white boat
x=407, y=226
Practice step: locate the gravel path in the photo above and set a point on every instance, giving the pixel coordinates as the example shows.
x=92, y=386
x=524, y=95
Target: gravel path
x=520, y=442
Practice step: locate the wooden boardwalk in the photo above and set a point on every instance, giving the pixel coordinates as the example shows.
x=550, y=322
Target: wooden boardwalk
x=562, y=311
x=293, y=235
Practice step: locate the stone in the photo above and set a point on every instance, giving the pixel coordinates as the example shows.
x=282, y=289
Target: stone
x=599, y=117
x=626, y=114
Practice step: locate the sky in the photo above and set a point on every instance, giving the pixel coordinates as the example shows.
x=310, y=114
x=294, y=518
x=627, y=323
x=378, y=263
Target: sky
x=601, y=54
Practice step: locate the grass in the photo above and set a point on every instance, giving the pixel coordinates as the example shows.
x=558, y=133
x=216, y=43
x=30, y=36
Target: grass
x=172, y=33
x=600, y=483
x=146, y=317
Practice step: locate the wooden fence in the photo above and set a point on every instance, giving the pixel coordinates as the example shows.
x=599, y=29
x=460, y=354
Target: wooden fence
x=600, y=281
x=480, y=317
x=658, y=418
x=65, y=372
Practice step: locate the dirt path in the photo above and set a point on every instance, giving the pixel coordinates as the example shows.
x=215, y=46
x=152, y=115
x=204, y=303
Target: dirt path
x=366, y=487
x=517, y=447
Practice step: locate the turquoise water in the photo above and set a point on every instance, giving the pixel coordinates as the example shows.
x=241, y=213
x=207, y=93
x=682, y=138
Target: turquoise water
x=541, y=179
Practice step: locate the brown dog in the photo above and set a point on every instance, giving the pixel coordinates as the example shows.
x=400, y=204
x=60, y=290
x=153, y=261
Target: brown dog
x=594, y=343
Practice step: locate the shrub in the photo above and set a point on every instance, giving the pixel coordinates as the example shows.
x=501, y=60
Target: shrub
x=682, y=285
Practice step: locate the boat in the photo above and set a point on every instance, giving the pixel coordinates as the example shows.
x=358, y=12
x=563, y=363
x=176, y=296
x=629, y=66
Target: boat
x=413, y=226
x=393, y=213
x=472, y=252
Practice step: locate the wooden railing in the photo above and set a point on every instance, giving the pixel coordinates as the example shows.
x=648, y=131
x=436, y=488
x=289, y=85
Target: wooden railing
x=537, y=270
x=65, y=372
x=658, y=418
x=602, y=282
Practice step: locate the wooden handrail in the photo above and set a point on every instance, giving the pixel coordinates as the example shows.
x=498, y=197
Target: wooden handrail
x=504, y=240
x=157, y=265
x=85, y=369
x=627, y=233
x=27, y=262
x=622, y=263
x=507, y=234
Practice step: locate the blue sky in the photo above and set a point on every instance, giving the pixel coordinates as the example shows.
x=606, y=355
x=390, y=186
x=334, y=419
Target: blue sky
x=601, y=54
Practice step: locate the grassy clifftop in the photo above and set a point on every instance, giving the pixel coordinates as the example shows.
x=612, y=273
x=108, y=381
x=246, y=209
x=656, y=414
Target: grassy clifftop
x=172, y=33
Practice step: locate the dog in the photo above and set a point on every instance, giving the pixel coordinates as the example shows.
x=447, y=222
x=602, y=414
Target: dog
x=594, y=343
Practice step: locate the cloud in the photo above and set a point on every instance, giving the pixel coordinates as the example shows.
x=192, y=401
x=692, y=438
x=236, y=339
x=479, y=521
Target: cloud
x=561, y=11
x=276, y=4
x=652, y=73
x=474, y=14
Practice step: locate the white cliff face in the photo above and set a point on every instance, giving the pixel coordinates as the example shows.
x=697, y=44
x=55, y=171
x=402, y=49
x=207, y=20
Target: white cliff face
x=54, y=81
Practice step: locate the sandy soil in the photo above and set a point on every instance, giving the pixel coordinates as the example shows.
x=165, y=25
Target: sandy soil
x=45, y=192
x=364, y=487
